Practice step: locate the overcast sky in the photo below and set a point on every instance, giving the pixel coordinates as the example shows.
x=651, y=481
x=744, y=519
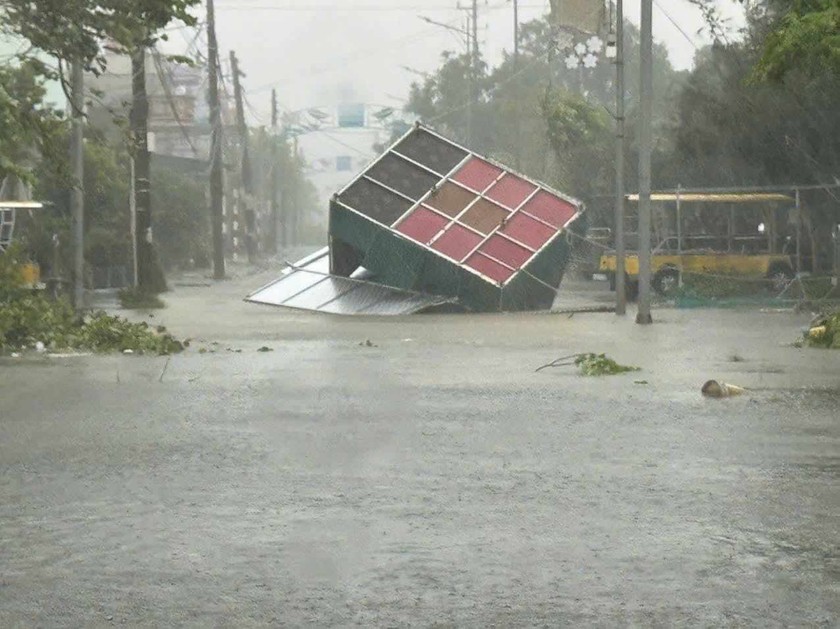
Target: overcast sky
x=316, y=51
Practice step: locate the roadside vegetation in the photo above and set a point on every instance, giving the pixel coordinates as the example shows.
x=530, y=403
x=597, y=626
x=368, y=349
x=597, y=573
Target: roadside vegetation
x=824, y=332
x=29, y=320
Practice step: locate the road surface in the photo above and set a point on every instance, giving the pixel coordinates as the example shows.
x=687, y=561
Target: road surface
x=417, y=472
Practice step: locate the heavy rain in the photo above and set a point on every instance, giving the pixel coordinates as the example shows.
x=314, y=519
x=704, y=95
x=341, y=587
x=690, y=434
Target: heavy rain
x=469, y=313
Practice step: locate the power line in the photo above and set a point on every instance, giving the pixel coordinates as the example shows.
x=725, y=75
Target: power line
x=310, y=8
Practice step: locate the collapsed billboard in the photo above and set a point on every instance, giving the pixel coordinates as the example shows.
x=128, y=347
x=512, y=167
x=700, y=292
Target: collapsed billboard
x=431, y=217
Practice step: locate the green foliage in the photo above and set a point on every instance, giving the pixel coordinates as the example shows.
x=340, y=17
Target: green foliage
x=31, y=318
x=181, y=219
x=74, y=29
x=807, y=39
x=545, y=120
x=28, y=317
x=600, y=365
x=65, y=30
x=825, y=333
x=26, y=125
x=700, y=286
x=577, y=128
x=730, y=131
x=104, y=333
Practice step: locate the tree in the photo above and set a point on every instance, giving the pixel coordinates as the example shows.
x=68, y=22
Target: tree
x=533, y=110
x=27, y=127
x=734, y=130
x=807, y=39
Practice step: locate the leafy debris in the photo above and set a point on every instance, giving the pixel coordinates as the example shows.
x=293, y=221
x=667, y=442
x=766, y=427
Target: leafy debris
x=824, y=332
x=29, y=320
x=600, y=365
x=591, y=365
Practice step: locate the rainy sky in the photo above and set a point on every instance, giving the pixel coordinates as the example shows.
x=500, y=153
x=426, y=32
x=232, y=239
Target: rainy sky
x=320, y=52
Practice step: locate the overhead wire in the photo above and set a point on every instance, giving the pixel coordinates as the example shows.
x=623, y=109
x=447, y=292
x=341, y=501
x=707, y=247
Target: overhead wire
x=376, y=8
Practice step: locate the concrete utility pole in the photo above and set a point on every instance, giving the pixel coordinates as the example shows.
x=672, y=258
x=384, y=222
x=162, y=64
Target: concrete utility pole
x=475, y=34
x=620, y=121
x=146, y=273
x=275, y=206
x=216, y=183
x=77, y=198
x=518, y=139
x=246, y=188
x=645, y=142
x=473, y=76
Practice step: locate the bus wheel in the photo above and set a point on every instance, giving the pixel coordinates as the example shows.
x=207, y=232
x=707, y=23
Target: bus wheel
x=666, y=281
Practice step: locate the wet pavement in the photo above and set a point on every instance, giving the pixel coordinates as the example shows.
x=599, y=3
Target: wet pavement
x=427, y=478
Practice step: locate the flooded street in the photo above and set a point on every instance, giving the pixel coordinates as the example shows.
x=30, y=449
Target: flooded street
x=427, y=478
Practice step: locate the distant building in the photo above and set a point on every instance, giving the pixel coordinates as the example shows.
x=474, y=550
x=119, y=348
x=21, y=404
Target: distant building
x=179, y=113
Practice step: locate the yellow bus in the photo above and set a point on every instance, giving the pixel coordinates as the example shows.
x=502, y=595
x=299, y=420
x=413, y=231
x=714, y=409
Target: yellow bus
x=758, y=255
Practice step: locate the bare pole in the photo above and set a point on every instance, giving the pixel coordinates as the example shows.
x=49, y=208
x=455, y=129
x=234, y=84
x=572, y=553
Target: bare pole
x=470, y=83
x=473, y=75
x=621, y=123
x=643, y=316
x=517, y=139
x=216, y=183
x=77, y=197
x=275, y=210
x=798, y=232
x=132, y=208
x=245, y=180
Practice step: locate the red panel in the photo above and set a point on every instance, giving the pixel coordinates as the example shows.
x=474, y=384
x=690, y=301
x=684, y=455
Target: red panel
x=422, y=225
x=457, y=242
x=528, y=231
x=506, y=251
x=489, y=268
x=477, y=174
x=551, y=209
x=511, y=191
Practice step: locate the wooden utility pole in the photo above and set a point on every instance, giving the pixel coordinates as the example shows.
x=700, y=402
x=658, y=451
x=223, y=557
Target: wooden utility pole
x=216, y=183
x=246, y=188
x=275, y=209
x=77, y=198
x=147, y=276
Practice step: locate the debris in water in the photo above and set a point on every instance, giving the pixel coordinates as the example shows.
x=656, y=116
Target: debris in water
x=591, y=365
x=716, y=389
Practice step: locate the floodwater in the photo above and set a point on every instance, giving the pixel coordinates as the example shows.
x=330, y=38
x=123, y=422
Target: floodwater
x=429, y=479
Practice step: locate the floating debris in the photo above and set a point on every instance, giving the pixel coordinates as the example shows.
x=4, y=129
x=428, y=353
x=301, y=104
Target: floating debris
x=716, y=389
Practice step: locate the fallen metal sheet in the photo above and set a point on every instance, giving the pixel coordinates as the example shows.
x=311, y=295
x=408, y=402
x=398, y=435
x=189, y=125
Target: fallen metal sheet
x=306, y=285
